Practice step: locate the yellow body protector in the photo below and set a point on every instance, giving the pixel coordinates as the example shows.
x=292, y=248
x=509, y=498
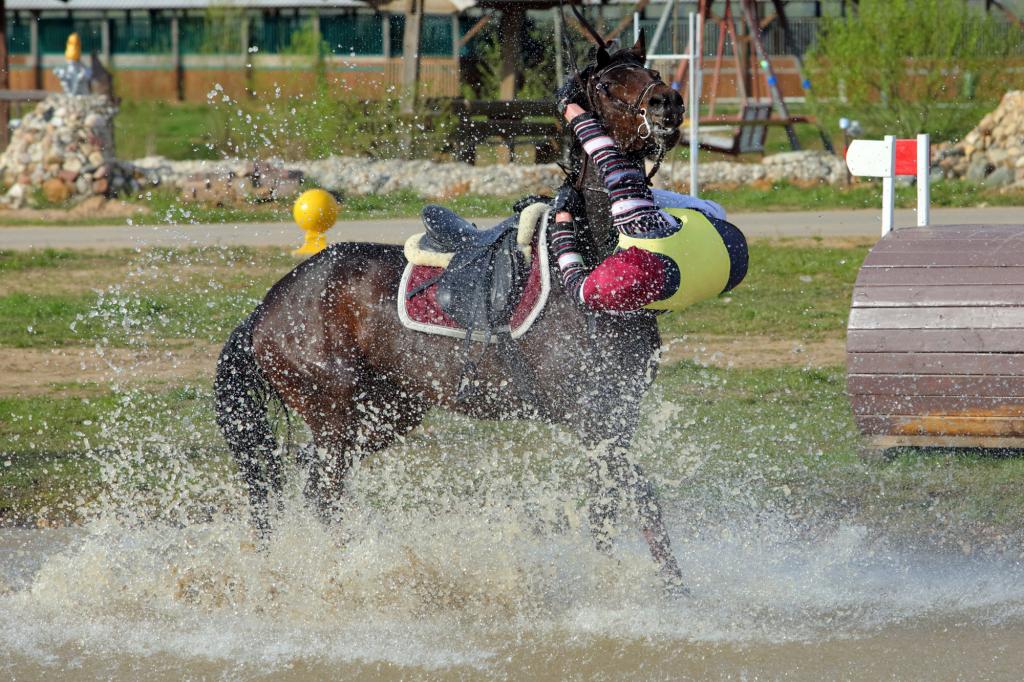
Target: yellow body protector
x=699, y=252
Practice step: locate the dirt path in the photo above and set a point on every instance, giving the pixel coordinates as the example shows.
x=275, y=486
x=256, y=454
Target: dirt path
x=72, y=370
x=83, y=370
x=782, y=224
x=749, y=352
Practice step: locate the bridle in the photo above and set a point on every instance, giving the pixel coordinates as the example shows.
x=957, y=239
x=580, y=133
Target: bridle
x=594, y=82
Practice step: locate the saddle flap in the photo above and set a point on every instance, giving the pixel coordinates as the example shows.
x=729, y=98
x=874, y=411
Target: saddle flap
x=481, y=286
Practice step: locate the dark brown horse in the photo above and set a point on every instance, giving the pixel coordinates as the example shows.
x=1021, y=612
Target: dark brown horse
x=328, y=342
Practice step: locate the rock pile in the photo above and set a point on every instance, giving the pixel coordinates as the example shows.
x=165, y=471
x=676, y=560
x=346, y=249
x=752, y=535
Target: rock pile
x=992, y=153
x=232, y=181
x=66, y=147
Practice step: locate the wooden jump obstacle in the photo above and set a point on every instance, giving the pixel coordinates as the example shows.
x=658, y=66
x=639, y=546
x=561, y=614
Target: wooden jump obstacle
x=935, y=341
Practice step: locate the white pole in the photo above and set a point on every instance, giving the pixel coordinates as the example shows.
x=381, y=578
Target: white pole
x=636, y=27
x=923, y=178
x=659, y=29
x=888, y=185
x=694, y=104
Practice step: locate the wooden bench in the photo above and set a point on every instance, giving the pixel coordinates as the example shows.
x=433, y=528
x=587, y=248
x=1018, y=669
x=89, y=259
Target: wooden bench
x=481, y=120
x=935, y=342
x=748, y=131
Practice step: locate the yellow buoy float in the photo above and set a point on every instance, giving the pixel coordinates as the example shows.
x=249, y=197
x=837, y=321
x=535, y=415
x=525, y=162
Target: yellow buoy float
x=315, y=211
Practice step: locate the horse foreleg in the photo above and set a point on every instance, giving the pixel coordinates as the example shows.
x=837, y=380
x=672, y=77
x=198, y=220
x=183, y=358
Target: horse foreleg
x=611, y=475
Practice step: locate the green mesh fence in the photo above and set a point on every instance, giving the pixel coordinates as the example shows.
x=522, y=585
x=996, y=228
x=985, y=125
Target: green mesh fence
x=273, y=34
x=436, y=37
x=19, y=40
x=54, y=32
x=141, y=36
x=353, y=34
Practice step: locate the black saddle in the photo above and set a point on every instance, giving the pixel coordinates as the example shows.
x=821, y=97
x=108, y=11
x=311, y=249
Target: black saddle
x=448, y=232
x=484, y=280
x=481, y=285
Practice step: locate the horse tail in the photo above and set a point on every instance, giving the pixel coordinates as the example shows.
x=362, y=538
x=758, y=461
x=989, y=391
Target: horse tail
x=242, y=398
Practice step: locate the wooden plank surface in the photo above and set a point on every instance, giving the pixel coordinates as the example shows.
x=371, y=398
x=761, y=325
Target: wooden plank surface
x=935, y=385
x=931, y=441
x=956, y=246
x=941, y=426
x=957, y=232
x=950, y=405
x=973, y=295
x=945, y=276
x=947, y=258
x=935, y=363
x=935, y=340
x=935, y=344
x=944, y=317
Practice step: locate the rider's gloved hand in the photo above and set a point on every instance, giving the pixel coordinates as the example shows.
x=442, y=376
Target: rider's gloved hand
x=568, y=200
x=571, y=92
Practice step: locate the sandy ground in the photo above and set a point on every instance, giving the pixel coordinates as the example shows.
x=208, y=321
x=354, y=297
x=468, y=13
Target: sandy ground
x=92, y=209
x=83, y=370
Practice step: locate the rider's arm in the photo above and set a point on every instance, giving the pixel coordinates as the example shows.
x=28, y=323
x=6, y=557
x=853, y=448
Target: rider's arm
x=633, y=210
x=570, y=262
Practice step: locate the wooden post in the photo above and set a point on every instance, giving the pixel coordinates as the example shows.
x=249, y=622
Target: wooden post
x=176, y=65
x=246, y=56
x=411, y=55
x=105, y=41
x=385, y=30
x=510, y=33
x=35, y=52
x=559, y=65
x=5, y=78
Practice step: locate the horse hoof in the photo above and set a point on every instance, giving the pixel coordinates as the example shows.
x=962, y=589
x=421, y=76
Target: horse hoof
x=676, y=589
x=672, y=582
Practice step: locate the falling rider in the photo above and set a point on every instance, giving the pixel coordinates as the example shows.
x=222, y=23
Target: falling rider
x=671, y=252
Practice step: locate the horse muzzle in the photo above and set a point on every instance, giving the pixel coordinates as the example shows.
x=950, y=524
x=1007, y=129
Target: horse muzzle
x=665, y=112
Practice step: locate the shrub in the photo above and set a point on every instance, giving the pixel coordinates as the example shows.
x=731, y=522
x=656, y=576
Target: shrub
x=909, y=66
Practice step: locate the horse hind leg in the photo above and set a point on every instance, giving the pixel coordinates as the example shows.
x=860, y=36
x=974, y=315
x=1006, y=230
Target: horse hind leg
x=374, y=417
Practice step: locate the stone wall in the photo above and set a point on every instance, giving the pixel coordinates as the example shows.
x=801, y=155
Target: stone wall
x=65, y=146
x=992, y=153
x=234, y=180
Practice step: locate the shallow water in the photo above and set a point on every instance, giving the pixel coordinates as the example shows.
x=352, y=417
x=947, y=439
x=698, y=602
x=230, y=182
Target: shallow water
x=478, y=593
x=464, y=553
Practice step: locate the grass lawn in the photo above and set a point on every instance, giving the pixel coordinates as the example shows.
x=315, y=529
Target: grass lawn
x=773, y=440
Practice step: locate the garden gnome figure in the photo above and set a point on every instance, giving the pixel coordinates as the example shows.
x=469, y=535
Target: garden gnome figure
x=74, y=76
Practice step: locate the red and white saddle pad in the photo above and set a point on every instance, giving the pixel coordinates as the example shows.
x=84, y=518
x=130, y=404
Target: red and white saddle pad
x=422, y=312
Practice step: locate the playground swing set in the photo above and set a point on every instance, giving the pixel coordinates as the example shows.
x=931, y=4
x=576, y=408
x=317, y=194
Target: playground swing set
x=746, y=132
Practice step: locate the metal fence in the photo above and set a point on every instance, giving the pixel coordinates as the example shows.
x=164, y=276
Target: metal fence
x=357, y=33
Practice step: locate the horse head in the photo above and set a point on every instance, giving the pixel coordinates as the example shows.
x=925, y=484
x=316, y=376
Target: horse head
x=640, y=111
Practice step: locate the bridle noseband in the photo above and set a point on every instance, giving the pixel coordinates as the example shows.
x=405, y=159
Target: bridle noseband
x=596, y=81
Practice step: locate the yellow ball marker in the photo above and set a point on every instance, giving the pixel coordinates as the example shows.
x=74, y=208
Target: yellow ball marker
x=315, y=211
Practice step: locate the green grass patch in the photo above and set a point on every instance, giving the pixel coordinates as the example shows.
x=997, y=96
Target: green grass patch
x=789, y=292
x=15, y=261
x=179, y=130
x=722, y=440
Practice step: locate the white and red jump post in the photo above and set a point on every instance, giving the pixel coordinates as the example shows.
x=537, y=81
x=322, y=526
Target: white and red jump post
x=887, y=159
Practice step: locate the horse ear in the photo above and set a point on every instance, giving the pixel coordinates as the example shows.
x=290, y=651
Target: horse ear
x=640, y=46
x=603, y=58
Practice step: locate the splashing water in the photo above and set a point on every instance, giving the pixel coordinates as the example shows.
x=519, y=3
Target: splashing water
x=462, y=552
